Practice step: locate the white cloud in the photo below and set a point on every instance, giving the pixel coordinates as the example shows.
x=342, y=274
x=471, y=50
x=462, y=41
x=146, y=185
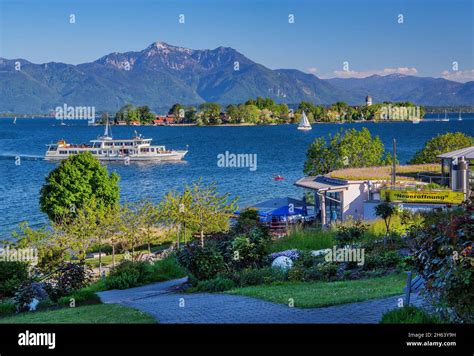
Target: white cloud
x=312, y=70
x=364, y=74
x=462, y=76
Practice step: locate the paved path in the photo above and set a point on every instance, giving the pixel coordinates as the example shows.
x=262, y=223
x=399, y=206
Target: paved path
x=167, y=306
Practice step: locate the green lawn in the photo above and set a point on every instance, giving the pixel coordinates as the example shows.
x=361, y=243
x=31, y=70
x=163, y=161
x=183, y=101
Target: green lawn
x=319, y=294
x=107, y=260
x=89, y=314
x=307, y=239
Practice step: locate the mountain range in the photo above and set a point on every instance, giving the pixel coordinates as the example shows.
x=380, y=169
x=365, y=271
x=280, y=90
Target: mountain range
x=162, y=74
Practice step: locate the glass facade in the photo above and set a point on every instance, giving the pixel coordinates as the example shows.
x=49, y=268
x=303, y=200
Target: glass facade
x=333, y=208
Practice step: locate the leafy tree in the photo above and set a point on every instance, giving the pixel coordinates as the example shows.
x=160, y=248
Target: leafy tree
x=107, y=230
x=148, y=217
x=127, y=113
x=129, y=226
x=248, y=113
x=360, y=149
x=200, y=207
x=321, y=159
x=175, y=110
x=190, y=114
x=211, y=111
x=211, y=211
x=51, y=251
x=386, y=212
x=80, y=233
x=174, y=210
x=349, y=149
x=145, y=115
x=281, y=111
x=233, y=113
x=440, y=144
x=306, y=107
x=74, y=184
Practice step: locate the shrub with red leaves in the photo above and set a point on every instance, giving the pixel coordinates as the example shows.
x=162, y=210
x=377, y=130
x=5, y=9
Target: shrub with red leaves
x=443, y=256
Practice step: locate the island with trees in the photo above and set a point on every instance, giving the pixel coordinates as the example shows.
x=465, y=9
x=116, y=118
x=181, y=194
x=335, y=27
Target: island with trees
x=265, y=111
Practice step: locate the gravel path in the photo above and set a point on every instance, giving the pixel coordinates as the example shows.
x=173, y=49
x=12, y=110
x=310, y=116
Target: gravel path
x=162, y=301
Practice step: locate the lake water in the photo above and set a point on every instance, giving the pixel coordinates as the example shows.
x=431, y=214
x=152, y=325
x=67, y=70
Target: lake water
x=280, y=150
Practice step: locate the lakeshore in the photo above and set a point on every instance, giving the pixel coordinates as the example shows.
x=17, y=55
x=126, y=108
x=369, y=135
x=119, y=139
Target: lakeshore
x=280, y=149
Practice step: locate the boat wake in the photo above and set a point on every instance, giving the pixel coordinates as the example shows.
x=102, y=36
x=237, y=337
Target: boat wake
x=13, y=156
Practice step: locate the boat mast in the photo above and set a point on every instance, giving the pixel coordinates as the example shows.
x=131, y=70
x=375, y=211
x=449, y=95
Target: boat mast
x=107, y=129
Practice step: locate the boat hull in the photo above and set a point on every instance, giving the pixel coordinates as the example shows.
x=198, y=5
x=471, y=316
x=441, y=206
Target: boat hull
x=166, y=157
x=304, y=128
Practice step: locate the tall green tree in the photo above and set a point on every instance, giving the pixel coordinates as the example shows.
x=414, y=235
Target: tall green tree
x=386, y=212
x=200, y=207
x=174, y=110
x=210, y=211
x=76, y=183
x=80, y=233
x=129, y=226
x=440, y=144
x=211, y=112
x=148, y=216
x=248, y=113
x=145, y=115
x=346, y=149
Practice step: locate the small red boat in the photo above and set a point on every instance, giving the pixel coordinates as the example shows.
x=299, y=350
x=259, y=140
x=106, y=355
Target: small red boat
x=278, y=177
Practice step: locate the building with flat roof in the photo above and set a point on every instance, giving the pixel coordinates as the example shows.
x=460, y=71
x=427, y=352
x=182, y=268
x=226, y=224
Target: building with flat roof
x=355, y=192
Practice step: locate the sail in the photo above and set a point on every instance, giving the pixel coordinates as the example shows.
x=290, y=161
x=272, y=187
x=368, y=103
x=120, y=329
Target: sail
x=304, y=122
x=107, y=135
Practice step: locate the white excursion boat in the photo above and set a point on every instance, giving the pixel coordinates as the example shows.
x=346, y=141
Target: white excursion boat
x=304, y=123
x=107, y=149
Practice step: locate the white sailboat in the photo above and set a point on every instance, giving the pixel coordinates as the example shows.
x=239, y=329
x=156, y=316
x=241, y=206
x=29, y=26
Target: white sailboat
x=445, y=116
x=304, y=123
x=14, y=121
x=459, y=118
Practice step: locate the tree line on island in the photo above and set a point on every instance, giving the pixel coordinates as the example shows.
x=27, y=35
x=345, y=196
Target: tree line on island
x=262, y=111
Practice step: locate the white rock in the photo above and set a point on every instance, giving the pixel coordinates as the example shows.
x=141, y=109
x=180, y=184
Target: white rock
x=33, y=304
x=282, y=262
x=317, y=253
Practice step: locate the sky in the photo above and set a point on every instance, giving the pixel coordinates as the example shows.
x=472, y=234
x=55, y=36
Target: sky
x=329, y=38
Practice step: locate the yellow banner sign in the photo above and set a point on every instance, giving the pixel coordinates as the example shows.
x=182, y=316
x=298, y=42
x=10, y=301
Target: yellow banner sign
x=422, y=196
